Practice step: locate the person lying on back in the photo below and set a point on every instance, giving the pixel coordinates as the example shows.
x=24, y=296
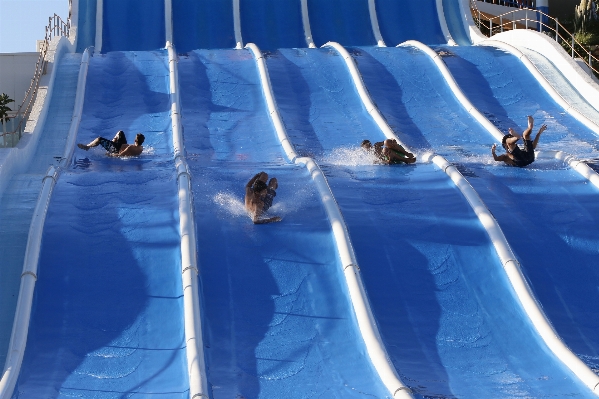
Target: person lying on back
x=117, y=147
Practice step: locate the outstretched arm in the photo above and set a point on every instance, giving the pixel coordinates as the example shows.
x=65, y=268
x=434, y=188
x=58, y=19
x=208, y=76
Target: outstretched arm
x=538, y=136
x=499, y=158
x=253, y=180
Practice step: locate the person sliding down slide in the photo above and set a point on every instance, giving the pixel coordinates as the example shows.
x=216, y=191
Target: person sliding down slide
x=515, y=156
x=117, y=147
x=259, y=197
x=389, y=152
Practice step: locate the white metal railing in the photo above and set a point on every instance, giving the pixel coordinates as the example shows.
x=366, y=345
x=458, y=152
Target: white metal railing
x=56, y=27
x=513, y=3
x=536, y=20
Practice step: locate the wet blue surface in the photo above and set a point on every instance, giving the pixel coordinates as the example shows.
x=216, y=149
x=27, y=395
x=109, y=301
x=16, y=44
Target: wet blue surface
x=455, y=23
x=277, y=319
x=343, y=21
x=272, y=24
x=202, y=24
x=447, y=314
x=409, y=20
x=107, y=319
x=86, y=25
x=133, y=25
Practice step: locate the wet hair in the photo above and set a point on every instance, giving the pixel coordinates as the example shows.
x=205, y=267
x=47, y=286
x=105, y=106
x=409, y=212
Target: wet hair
x=259, y=185
x=365, y=142
x=139, y=138
x=503, y=140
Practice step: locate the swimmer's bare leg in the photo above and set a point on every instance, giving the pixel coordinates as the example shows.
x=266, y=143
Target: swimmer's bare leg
x=528, y=131
x=392, y=144
x=94, y=143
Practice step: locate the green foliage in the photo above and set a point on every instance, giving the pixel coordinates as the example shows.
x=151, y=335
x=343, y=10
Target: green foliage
x=586, y=20
x=4, y=108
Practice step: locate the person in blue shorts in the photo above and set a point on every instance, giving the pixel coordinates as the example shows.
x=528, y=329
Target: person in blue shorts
x=259, y=197
x=514, y=155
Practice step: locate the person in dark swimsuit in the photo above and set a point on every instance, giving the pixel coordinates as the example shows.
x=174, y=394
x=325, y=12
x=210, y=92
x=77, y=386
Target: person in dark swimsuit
x=258, y=199
x=117, y=147
x=389, y=152
x=516, y=156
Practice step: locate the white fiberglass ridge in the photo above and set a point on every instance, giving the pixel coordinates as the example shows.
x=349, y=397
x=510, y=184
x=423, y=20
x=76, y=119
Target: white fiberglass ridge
x=368, y=328
x=198, y=386
x=99, y=18
x=511, y=266
x=237, y=25
x=18, y=339
x=306, y=24
x=374, y=21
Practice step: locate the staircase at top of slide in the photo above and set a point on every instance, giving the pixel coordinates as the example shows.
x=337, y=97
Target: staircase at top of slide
x=277, y=319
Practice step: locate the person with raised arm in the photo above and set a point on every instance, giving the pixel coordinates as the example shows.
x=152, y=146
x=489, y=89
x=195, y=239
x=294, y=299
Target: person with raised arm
x=514, y=155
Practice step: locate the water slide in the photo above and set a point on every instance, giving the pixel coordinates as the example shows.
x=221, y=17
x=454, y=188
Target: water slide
x=421, y=263
x=21, y=192
x=109, y=268
x=275, y=307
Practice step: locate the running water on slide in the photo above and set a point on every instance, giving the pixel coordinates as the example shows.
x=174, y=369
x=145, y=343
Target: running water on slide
x=446, y=312
x=18, y=199
x=107, y=320
x=276, y=314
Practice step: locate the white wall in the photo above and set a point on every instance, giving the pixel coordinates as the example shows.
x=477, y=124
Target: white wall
x=16, y=72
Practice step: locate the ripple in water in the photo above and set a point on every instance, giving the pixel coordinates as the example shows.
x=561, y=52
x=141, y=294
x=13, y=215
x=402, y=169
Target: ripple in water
x=349, y=156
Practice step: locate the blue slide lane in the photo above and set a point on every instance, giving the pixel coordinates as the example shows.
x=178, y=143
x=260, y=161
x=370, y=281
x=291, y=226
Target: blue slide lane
x=558, y=210
x=204, y=24
x=272, y=24
x=446, y=312
x=343, y=21
x=133, y=25
x=86, y=24
x=107, y=319
x=455, y=24
x=409, y=20
x=277, y=318
x=18, y=200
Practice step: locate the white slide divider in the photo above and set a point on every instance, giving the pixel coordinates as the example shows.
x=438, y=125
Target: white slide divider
x=20, y=328
x=168, y=20
x=374, y=21
x=198, y=385
x=443, y=23
x=365, y=318
x=99, y=19
x=237, y=25
x=583, y=169
x=544, y=83
x=306, y=24
x=508, y=259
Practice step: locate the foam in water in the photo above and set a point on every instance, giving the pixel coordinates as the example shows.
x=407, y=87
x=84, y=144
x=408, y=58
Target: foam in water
x=349, y=156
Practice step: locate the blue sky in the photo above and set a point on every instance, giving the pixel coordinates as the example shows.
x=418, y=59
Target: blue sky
x=22, y=22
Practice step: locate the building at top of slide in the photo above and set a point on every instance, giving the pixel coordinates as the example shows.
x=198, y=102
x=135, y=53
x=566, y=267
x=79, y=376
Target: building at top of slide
x=140, y=25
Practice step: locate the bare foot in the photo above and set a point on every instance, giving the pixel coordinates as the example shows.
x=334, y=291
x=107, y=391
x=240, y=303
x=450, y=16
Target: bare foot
x=83, y=147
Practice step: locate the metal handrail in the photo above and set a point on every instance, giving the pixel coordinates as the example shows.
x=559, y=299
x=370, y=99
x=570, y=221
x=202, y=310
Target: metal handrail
x=543, y=23
x=512, y=3
x=56, y=27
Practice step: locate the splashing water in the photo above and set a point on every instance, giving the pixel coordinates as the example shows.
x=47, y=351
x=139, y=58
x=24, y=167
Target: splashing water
x=349, y=156
x=230, y=204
